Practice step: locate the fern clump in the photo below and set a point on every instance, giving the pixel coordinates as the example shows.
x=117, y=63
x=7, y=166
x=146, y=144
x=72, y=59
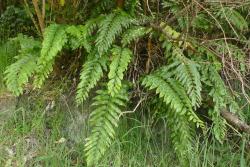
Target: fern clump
x=179, y=60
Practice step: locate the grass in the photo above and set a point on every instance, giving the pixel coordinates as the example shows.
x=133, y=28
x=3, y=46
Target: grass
x=8, y=50
x=53, y=135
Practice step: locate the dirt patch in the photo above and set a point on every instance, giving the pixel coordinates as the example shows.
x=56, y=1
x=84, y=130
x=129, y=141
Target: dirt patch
x=7, y=106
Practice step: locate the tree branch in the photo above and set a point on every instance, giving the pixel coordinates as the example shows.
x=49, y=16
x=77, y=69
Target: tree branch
x=39, y=14
x=235, y=121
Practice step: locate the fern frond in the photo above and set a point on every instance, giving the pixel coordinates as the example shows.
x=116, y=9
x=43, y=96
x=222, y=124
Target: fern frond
x=80, y=35
x=182, y=135
x=219, y=94
x=133, y=33
x=18, y=73
x=54, y=39
x=103, y=120
x=92, y=72
x=173, y=95
x=110, y=28
x=187, y=73
x=234, y=18
x=120, y=60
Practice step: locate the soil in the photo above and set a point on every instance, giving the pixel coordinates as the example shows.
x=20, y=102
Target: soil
x=7, y=105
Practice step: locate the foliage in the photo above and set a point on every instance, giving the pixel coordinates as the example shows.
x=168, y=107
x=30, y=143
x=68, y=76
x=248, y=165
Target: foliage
x=104, y=118
x=54, y=39
x=191, y=70
x=120, y=60
x=18, y=73
x=92, y=72
x=14, y=20
x=8, y=50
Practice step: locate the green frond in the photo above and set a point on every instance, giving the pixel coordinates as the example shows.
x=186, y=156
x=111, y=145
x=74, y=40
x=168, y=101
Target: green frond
x=173, y=95
x=234, y=17
x=187, y=73
x=80, y=35
x=110, y=28
x=54, y=39
x=133, y=34
x=92, y=71
x=103, y=120
x=182, y=131
x=182, y=135
x=18, y=73
x=120, y=60
x=219, y=94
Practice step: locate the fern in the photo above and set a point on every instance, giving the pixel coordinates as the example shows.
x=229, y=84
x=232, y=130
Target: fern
x=119, y=64
x=92, y=72
x=187, y=73
x=80, y=35
x=189, y=77
x=218, y=93
x=133, y=33
x=103, y=121
x=173, y=95
x=182, y=135
x=110, y=28
x=234, y=18
x=18, y=73
x=54, y=39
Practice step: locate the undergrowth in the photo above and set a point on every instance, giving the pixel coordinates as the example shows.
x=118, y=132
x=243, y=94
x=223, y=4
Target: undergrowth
x=185, y=62
x=38, y=135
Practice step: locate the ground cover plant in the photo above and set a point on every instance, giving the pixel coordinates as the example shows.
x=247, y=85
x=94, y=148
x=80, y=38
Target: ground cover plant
x=180, y=65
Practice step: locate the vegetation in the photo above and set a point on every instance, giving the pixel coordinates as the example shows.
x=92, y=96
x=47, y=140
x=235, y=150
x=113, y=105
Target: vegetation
x=178, y=64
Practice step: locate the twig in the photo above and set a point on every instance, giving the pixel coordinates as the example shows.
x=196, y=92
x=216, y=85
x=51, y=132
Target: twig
x=32, y=17
x=127, y=112
x=234, y=120
x=39, y=15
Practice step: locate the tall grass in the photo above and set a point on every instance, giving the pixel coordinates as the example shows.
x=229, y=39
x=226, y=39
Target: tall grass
x=53, y=135
x=8, y=50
